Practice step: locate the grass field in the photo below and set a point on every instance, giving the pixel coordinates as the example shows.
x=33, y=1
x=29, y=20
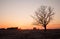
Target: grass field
x=29, y=34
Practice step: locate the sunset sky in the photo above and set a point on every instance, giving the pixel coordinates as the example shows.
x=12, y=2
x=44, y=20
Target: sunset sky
x=16, y=13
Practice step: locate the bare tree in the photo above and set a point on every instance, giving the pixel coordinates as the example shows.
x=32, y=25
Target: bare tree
x=43, y=16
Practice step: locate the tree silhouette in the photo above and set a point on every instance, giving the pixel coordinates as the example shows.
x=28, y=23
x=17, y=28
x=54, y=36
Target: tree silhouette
x=43, y=16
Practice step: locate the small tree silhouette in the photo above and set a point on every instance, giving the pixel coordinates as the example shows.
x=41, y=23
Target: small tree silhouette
x=43, y=16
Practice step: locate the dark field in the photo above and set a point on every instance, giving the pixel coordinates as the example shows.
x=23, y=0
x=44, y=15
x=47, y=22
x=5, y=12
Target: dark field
x=29, y=34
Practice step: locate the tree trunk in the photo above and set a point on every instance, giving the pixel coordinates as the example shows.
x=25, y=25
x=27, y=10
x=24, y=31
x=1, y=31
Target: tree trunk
x=44, y=28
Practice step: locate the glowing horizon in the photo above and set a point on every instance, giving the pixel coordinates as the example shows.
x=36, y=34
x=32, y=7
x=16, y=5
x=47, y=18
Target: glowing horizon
x=16, y=13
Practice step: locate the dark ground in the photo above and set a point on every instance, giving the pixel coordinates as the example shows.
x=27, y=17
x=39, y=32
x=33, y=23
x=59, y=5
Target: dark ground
x=29, y=34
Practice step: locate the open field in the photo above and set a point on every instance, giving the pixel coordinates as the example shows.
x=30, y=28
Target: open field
x=29, y=34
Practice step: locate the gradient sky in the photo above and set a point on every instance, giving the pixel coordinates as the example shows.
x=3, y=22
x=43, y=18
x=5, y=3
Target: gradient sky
x=17, y=12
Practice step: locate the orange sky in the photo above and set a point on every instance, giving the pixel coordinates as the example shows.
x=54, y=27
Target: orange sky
x=49, y=26
x=16, y=13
